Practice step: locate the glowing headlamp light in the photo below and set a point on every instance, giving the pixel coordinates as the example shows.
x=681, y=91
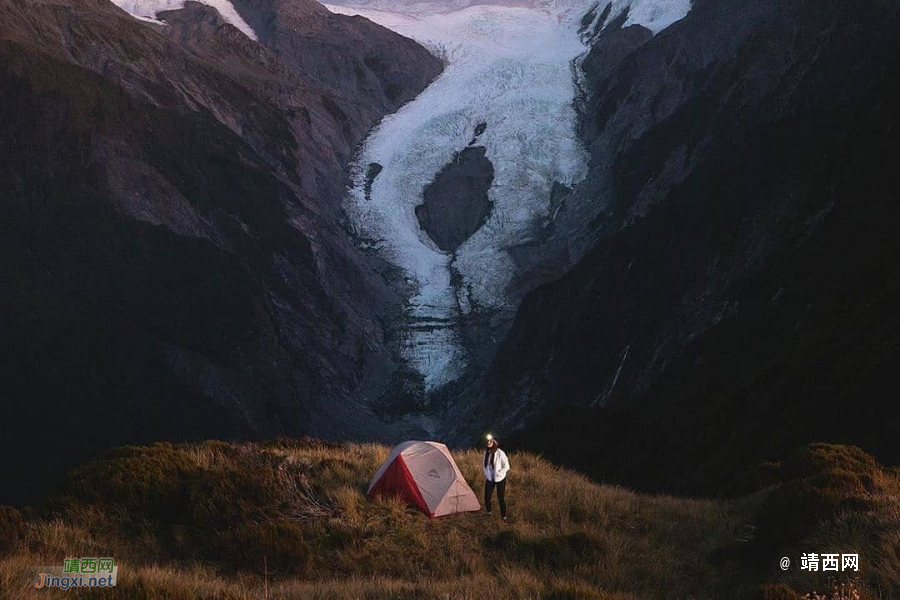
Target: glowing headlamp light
x=489, y=437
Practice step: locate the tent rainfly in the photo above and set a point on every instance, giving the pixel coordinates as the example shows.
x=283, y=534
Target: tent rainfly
x=425, y=476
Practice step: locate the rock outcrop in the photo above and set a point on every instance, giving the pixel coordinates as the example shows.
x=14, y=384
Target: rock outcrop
x=456, y=203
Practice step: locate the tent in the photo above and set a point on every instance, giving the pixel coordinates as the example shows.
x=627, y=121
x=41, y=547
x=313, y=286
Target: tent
x=424, y=475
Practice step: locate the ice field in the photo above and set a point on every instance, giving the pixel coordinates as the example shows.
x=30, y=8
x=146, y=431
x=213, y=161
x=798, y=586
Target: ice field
x=510, y=66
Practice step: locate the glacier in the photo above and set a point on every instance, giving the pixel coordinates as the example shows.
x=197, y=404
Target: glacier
x=512, y=66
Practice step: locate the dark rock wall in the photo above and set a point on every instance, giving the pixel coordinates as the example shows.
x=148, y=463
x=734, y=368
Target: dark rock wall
x=366, y=70
x=174, y=264
x=738, y=287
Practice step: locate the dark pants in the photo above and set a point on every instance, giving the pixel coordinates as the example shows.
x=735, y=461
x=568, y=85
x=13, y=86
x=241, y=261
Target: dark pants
x=501, y=495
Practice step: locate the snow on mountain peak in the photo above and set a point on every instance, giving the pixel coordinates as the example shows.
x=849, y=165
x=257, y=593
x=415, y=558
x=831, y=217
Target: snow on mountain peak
x=148, y=9
x=655, y=15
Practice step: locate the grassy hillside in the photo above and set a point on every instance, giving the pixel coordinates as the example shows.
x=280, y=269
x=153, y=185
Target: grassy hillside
x=291, y=520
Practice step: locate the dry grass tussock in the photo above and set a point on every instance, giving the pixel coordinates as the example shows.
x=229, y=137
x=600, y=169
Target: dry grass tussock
x=291, y=520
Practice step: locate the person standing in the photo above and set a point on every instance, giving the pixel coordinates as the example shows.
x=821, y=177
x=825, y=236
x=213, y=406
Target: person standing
x=496, y=468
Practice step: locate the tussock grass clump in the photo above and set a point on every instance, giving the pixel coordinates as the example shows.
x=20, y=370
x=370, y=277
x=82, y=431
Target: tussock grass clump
x=818, y=483
x=291, y=519
x=11, y=523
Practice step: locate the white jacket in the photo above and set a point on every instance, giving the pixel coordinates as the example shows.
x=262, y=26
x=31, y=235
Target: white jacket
x=497, y=469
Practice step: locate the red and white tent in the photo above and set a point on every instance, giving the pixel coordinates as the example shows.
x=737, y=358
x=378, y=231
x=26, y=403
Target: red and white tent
x=425, y=475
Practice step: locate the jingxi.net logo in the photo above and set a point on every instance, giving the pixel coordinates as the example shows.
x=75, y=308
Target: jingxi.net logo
x=79, y=572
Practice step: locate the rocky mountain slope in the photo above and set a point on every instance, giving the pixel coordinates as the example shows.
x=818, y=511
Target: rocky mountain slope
x=174, y=264
x=737, y=292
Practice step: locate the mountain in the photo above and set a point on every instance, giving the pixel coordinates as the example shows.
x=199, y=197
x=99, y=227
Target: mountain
x=660, y=231
x=175, y=263
x=658, y=241
x=736, y=286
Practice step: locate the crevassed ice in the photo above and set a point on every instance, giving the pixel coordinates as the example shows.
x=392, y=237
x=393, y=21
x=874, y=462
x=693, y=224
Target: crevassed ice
x=510, y=66
x=148, y=9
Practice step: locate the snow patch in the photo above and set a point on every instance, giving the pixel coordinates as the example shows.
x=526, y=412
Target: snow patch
x=655, y=15
x=148, y=9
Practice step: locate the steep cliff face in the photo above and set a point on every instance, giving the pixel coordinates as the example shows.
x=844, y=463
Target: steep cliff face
x=173, y=260
x=737, y=289
x=370, y=68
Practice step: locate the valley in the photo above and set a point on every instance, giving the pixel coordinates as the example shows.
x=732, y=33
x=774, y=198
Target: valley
x=509, y=68
x=509, y=89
